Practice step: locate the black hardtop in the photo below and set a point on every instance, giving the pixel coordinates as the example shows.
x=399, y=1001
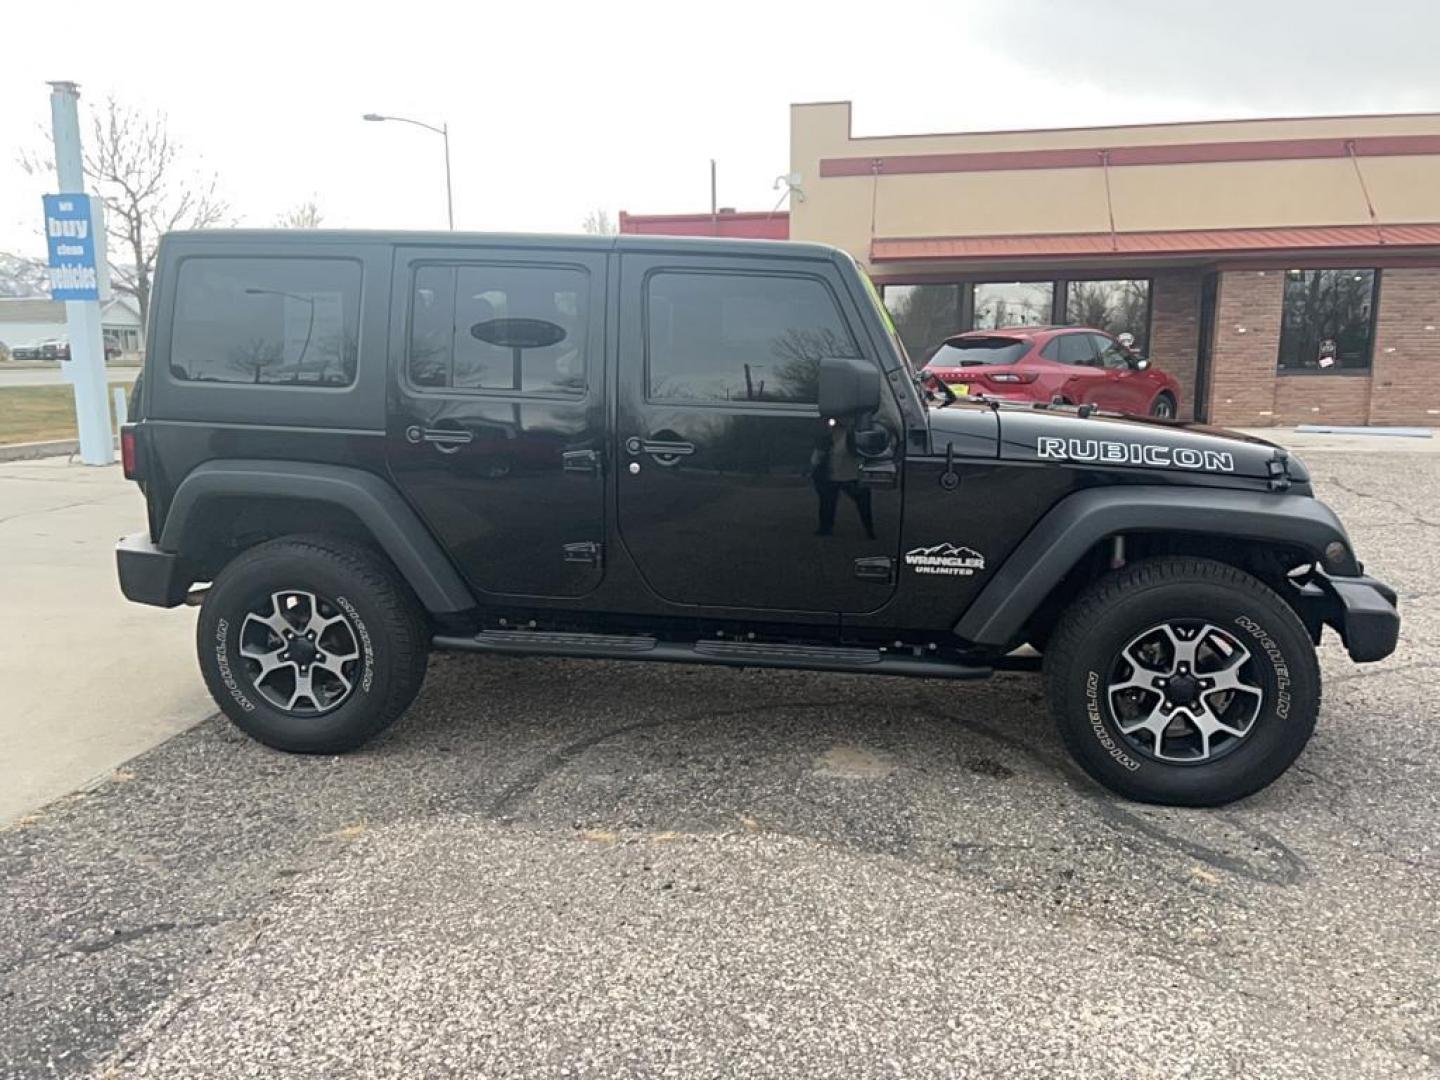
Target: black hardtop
x=622, y=242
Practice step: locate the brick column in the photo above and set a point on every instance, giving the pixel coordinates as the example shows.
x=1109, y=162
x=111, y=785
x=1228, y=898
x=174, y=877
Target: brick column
x=1175, y=330
x=1247, y=342
x=1406, y=364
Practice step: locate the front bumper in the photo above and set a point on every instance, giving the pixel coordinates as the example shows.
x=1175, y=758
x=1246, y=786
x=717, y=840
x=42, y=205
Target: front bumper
x=149, y=575
x=1360, y=609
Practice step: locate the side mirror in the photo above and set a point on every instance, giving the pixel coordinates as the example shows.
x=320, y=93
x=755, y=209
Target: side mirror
x=1140, y=363
x=849, y=386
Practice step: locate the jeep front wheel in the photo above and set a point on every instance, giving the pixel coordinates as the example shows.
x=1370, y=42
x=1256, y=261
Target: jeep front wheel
x=311, y=644
x=1183, y=681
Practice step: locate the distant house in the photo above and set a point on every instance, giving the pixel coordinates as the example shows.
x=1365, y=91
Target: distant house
x=29, y=321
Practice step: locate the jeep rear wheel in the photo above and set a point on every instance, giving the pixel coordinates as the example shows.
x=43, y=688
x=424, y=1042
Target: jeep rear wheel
x=1183, y=681
x=311, y=644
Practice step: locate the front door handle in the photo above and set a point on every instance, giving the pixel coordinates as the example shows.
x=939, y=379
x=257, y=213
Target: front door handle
x=446, y=440
x=876, y=568
x=584, y=551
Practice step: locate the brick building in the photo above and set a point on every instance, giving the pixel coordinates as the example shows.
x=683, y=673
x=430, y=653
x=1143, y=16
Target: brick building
x=1285, y=271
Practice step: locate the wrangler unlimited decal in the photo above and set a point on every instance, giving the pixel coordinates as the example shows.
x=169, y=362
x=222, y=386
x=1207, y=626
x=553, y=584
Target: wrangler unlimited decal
x=1132, y=453
x=948, y=559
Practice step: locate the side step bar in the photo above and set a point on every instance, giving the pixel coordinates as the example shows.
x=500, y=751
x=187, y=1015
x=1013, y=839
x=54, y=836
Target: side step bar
x=728, y=653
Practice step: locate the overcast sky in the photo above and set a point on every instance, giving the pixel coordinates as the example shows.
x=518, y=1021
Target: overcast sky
x=556, y=108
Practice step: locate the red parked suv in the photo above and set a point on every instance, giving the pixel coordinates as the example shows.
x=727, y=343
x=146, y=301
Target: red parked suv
x=1080, y=365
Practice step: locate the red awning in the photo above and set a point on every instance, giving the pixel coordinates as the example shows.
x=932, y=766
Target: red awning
x=1167, y=242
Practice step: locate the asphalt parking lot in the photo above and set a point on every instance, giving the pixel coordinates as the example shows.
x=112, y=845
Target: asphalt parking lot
x=562, y=868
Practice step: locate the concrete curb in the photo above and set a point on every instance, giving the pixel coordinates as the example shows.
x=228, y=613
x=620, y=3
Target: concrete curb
x=28, y=451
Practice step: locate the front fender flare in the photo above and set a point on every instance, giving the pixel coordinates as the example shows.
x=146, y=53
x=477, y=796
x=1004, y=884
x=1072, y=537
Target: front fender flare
x=1080, y=521
x=375, y=502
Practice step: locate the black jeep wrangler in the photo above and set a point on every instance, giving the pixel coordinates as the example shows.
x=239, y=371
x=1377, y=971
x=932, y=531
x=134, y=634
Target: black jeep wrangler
x=370, y=445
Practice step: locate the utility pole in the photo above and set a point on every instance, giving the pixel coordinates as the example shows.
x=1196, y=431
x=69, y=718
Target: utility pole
x=86, y=367
x=714, y=205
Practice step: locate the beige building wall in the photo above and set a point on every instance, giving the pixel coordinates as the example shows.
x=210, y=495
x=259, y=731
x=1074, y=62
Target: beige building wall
x=849, y=210
x=1240, y=206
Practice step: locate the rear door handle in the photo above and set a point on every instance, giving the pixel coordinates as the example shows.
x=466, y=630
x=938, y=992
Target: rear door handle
x=446, y=440
x=581, y=461
x=664, y=451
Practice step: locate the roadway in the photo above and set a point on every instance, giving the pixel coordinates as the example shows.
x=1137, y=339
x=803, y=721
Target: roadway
x=50, y=376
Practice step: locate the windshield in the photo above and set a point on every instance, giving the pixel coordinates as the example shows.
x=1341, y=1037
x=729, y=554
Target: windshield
x=968, y=352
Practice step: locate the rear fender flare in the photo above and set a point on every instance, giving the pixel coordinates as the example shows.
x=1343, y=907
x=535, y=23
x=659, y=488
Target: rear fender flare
x=1080, y=521
x=394, y=526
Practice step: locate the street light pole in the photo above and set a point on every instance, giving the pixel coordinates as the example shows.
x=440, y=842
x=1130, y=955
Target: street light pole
x=444, y=132
x=309, y=329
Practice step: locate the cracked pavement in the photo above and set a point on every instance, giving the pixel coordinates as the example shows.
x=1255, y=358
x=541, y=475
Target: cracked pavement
x=565, y=868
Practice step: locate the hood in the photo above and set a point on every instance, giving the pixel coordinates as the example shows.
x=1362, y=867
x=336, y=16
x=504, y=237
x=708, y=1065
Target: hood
x=1105, y=441
x=971, y=427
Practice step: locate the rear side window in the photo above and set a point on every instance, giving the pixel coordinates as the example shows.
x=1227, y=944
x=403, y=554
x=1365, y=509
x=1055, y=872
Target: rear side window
x=1075, y=349
x=266, y=321
x=967, y=352
x=499, y=328
x=740, y=337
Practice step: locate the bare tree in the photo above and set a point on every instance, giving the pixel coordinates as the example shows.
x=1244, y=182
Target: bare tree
x=925, y=315
x=305, y=215
x=256, y=357
x=1116, y=306
x=138, y=171
x=599, y=223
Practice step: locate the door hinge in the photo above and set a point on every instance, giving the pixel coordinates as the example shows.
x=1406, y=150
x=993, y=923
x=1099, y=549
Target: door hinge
x=584, y=551
x=584, y=461
x=876, y=568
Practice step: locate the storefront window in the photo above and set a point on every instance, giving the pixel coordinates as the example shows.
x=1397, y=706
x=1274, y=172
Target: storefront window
x=1119, y=306
x=1013, y=303
x=925, y=315
x=1328, y=321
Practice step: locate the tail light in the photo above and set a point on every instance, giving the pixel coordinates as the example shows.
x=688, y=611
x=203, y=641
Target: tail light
x=1012, y=376
x=129, y=455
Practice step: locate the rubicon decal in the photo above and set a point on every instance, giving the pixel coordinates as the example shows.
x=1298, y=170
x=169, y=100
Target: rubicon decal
x=945, y=559
x=1134, y=453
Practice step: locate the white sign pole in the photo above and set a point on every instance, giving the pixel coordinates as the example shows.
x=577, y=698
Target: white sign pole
x=86, y=366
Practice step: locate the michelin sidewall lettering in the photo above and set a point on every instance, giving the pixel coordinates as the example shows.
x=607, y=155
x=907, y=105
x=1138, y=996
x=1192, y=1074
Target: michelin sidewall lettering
x=367, y=650
x=1096, y=716
x=1280, y=701
x=223, y=666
